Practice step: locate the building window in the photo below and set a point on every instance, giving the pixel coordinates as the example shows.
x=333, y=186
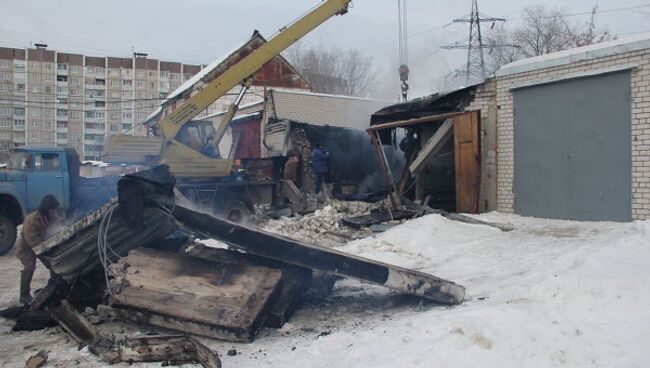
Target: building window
x=33, y=136
x=100, y=104
x=61, y=78
x=19, y=123
x=61, y=113
x=20, y=87
x=61, y=124
x=62, y=136
x=4, y=64
x=62, y=66
x=47, y=89
x=48, y=77
x=89, y=114
x=127, y=82
x=4, y=76
x=20, y=111
x=48, y=66
x=74, y=69
x=34, y=124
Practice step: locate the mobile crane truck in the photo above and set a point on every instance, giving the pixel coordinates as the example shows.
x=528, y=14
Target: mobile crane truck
x=190, y=148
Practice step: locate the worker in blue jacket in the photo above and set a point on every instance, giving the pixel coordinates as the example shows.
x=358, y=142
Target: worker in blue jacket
x=320, y=164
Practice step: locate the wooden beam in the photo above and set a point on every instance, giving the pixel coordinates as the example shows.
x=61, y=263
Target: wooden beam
x=409, y=122
x=319, y=258
x=433, y=145
x=385, y=170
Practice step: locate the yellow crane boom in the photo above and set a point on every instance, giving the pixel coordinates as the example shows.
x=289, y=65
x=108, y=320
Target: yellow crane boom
x=236, y=74
x=187, y=161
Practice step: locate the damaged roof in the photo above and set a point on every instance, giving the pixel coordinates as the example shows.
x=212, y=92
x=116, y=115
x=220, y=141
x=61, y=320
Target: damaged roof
x=277, y=72
x=438, y=103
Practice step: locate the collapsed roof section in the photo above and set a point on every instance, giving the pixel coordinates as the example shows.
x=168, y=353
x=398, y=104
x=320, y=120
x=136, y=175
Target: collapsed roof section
x=435, y=104
x=278, y=72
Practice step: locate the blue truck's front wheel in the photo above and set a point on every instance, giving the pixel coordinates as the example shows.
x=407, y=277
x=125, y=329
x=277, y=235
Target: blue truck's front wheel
x=7, y=234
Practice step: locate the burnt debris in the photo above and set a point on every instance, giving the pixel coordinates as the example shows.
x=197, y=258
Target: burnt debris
x=115, y=260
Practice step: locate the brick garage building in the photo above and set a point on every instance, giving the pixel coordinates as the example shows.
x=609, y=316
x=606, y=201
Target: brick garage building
x=573, y=133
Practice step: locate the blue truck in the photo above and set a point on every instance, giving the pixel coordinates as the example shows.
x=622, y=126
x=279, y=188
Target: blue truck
x=34, y=172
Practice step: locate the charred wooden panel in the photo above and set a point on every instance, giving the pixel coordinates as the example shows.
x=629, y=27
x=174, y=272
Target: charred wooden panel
x=294, y=279
x=220, y=300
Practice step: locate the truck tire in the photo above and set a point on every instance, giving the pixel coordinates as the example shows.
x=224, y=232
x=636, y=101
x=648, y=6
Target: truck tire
x=238, y=213
x=7, y=234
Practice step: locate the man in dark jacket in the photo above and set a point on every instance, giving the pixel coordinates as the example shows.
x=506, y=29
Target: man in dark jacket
x=319, y=162
x=35, y=231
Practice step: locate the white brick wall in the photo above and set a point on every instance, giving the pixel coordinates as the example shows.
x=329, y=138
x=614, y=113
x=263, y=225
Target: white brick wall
x=640, y=89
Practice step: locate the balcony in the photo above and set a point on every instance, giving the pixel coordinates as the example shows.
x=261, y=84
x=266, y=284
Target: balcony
x=94, y=131
x=95, y=86
x=19, y=139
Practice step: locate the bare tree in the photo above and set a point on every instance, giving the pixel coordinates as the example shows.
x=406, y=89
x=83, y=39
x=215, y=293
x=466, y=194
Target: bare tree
x=589, y=33
x=333, y=70
x=501, y=48
x=544, y=30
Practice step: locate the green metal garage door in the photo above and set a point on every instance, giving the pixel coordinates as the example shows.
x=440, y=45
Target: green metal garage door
x=573, y=149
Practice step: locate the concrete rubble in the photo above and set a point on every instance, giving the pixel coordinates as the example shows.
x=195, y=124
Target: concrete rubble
x=323, y=225
x=125, y=262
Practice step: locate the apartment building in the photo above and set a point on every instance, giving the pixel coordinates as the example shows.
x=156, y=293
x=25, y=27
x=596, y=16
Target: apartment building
x=71, y=100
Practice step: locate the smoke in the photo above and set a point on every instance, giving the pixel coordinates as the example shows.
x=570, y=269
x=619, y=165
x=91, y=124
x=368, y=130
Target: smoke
x=353, y=157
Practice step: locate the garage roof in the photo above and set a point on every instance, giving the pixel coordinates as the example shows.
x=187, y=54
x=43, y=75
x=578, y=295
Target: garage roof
x=577, y=54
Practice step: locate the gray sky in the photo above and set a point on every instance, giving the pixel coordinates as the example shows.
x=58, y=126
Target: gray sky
x=198, y=31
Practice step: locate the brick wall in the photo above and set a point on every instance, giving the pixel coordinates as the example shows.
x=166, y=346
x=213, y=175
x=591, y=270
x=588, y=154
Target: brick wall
x=640, y=95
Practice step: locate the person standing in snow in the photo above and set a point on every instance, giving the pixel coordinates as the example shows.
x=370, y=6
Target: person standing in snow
x=36, y=229
x=320, y=164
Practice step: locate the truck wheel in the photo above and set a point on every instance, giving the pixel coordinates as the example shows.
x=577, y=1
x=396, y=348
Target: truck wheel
x=238, y=213
x=7, y=234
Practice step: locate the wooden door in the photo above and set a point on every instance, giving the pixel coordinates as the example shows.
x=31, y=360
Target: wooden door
x=467, y=146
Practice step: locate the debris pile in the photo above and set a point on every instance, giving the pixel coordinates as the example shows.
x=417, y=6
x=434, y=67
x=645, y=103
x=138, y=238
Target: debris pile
x=323, y=226
x=124, y=262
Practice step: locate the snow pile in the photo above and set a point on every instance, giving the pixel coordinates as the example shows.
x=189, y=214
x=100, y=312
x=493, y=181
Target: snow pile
x=550, y=293
x=547, y=294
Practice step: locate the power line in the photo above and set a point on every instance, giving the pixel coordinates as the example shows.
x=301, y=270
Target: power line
x=590, y=12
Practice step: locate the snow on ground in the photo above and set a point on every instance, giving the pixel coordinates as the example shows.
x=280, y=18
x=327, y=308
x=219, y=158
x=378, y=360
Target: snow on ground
x=550, y=293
